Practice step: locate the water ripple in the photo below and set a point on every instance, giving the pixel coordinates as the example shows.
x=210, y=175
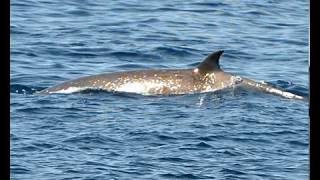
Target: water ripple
x=235, y=133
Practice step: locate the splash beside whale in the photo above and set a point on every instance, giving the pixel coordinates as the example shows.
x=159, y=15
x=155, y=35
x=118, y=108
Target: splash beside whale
x=206, y=77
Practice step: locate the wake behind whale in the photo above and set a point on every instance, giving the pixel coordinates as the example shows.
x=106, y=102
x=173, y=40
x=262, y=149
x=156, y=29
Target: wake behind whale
x=206, y=77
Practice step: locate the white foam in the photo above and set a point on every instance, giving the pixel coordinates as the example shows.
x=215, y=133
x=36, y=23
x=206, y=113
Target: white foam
x=209, y=89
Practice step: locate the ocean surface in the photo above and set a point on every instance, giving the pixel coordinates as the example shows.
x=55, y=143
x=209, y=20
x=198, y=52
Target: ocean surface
x=236, y=133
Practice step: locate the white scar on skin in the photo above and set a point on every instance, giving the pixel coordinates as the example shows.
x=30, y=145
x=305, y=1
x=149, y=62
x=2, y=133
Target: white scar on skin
x=140, y=87
x=276, y=91
x=70, y=90
x=283, y=93
x=212, y=78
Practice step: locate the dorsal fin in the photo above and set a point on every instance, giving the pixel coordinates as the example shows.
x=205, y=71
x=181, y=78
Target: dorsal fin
x=211, y=63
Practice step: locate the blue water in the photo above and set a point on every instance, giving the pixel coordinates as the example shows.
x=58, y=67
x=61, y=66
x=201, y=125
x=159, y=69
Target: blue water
x=235, y=133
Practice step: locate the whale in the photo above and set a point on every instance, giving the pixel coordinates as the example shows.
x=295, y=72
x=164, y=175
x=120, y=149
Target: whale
x=208, y=76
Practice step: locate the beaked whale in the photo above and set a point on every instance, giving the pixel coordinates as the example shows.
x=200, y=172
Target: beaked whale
x=206, y=77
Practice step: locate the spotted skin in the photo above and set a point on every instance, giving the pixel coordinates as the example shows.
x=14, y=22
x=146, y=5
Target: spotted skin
x=206, y=77
x=165, y=81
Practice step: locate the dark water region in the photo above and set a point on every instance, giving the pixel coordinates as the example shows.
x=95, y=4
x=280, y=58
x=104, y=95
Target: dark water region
x=235, y=133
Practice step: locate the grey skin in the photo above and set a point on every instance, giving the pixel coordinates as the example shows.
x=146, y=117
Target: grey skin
x=206, y=77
